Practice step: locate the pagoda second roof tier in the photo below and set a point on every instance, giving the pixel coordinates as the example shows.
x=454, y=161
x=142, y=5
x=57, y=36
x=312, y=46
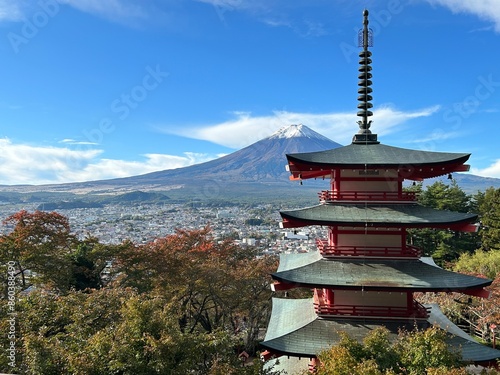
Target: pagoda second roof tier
x=294, y=329
x=413, y=164
x=310, y=270
x=409, y=215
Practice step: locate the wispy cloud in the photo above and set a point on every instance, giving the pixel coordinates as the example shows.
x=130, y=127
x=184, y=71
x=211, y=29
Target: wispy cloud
x=116, y=10
x=12, y=10
x=35, y=165
x=437, y=135
x=111, y=9
x=70, y=141
x=244, y=129
x=485, y=9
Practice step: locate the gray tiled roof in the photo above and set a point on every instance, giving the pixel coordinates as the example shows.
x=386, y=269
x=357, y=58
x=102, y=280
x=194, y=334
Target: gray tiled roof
x=311, y=270
x=412, y=215
x=378, y=154
x=315, y=335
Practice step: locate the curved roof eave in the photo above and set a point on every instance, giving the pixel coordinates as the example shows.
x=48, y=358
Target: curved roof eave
x=377, y=275
x=408, y=215
x=361, y=155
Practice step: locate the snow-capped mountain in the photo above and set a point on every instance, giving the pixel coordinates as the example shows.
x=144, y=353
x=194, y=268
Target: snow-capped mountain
x=262, y=162
x=256, y=168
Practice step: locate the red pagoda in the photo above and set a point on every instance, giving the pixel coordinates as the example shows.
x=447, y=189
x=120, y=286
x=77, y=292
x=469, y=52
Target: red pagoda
x=364, y=274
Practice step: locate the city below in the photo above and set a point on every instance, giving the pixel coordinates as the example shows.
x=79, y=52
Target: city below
x=141, y=223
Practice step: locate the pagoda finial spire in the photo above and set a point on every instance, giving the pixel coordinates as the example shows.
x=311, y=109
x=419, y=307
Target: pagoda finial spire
x=365, y=40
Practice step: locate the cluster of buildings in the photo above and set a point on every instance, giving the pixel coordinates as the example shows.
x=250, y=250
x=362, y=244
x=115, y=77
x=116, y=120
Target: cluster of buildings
x=142, y=223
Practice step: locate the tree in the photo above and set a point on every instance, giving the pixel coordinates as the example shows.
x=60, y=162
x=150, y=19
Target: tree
x=40, y=243
x=216, y=284
x=117, y=331
x=486, y=263
x=445, y=197
x=489, y=210
x=444, y=245
x=47, y=254
x=87, y=263
x=185, y=303
x=417, y=352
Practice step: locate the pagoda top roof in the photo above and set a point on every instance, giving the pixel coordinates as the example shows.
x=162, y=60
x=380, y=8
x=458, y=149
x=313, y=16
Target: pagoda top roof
x=311, y=270
x=294, y=329
x=389, y=215
x=377, y=155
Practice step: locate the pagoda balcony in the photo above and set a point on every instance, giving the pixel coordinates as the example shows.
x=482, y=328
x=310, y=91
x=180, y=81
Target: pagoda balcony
x=327, y=250
x=367, y=196
x=322, y=308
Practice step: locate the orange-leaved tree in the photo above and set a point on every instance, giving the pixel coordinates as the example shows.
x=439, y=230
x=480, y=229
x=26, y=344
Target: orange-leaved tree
x=39, y=242
x=216, y=284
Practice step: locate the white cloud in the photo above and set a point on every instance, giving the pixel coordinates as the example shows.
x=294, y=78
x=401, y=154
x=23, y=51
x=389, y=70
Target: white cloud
x=70, y=141
x=492, y=171
x=485, y=9
x=245, y=129
x=112, y=9
x=36, y=165
x=11, y=10
x=117, y=10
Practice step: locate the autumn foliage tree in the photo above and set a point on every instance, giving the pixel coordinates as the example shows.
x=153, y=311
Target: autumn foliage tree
x=47, y=254
x=39, y=242
x=216, y=284
x=185, y=303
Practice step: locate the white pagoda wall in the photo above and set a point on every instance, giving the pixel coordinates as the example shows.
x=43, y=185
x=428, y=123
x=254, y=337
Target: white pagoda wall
x=364, y=184
x=363, y=298
x=379, y=240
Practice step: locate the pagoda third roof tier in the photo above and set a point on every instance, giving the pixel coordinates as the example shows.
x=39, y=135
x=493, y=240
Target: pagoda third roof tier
x=414, y=163
x=310, y=270
x=388, y=215
x=295, y=330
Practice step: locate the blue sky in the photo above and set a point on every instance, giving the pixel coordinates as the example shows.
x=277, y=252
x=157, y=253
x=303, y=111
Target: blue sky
x=97, y=89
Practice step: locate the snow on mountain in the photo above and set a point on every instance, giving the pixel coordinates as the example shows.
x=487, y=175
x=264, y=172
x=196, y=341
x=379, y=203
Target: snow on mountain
x=297, y=131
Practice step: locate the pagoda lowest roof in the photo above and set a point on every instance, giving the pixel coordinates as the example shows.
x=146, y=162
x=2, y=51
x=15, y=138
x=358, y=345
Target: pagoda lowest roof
x=296, y=330
x=395, y=215
x=311, y=270
x=377, y=155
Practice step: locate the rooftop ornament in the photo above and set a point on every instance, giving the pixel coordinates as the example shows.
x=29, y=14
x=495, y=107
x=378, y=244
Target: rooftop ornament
x=365, y=40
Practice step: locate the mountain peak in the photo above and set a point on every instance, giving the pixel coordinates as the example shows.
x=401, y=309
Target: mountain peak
x=293, y=131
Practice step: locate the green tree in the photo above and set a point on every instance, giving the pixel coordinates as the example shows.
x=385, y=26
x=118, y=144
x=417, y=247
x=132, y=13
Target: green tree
x=418, y=352
x=445, y=197
x=117, y=331
x=444, y=245
x=482, y=262
x=489, y=210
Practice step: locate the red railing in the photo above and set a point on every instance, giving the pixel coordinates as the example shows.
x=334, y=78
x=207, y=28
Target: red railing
x=408, y=251
x=416, y=310
x=405, y=196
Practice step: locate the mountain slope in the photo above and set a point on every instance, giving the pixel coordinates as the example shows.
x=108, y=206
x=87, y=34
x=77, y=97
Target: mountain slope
x=263, y=161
